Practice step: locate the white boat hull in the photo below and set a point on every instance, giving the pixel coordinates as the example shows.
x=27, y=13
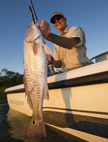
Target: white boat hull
x=78, y=102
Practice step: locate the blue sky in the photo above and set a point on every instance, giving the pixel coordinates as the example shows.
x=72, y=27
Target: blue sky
x=91, y=15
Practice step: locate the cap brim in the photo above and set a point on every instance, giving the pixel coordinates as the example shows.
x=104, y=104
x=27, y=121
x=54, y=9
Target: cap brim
x=55, y=14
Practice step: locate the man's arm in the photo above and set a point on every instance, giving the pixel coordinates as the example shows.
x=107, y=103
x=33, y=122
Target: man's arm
x=61, y=41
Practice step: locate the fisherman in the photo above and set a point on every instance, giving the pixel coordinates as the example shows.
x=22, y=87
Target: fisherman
x=69, y=48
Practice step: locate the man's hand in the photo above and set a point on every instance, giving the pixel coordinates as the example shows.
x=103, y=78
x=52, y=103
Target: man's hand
x=45, y=29
x=55, y=63
x=51, y=61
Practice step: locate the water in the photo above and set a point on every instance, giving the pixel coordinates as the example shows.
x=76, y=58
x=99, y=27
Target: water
x=14, y=124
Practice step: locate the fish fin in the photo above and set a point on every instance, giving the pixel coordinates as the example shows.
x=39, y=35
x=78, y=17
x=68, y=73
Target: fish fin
x=47, y=49
x=36, y=129
x=29, y=101
x=27, y=92
x=25, y=83
x=36, y=47
x=46, y=95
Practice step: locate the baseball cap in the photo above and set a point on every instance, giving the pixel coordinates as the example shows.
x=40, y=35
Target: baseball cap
x=55, y=14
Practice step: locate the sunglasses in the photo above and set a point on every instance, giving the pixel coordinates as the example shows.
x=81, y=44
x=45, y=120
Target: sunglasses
x=56, y=18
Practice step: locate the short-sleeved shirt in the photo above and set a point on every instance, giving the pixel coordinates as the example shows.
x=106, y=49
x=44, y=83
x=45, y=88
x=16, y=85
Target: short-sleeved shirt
x=76, y=56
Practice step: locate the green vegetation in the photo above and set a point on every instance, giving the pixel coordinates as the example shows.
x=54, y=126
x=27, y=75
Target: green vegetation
x=9, y=79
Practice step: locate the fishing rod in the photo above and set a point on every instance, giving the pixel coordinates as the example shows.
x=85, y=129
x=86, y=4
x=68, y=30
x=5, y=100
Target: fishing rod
x=31, y=13
x=34, y=10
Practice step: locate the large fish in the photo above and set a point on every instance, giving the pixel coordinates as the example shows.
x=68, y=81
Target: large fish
x=35, y=79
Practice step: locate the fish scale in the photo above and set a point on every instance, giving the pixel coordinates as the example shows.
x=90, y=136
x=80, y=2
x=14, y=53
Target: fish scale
x=35, y=79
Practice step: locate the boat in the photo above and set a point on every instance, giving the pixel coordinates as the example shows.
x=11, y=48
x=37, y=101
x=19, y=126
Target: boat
x=78, y=101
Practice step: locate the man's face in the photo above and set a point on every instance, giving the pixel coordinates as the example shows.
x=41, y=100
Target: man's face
x=60, y=24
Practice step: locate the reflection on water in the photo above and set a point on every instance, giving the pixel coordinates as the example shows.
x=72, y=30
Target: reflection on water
x=14, y=124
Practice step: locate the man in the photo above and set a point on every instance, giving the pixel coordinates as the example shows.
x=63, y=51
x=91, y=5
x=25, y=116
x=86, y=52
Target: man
x=69, y=48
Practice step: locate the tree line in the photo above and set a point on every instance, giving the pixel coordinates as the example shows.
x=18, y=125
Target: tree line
x=9, y=79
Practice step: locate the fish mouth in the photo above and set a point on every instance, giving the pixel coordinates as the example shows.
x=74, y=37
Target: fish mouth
x=29, y=39
x=32, y=33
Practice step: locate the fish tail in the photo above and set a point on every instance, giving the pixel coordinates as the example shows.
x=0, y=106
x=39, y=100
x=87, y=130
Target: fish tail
x=36, y=129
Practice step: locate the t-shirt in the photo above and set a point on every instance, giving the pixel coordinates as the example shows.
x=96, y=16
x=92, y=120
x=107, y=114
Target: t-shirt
x=76, y=56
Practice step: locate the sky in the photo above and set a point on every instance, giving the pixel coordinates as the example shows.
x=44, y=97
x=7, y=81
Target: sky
x=91, y=15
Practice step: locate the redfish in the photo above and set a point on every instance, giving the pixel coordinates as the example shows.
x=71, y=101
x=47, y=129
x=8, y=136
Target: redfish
x=35, y=79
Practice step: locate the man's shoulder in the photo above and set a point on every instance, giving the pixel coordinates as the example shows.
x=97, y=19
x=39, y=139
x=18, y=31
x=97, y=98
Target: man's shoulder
x=74, y=28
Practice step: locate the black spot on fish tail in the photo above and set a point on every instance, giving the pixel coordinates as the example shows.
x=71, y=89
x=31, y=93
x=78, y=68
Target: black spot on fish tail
x=36, y=129
x=34, y=122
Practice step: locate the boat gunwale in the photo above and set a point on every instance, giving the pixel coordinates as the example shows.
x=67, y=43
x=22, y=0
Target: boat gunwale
x=97, y=78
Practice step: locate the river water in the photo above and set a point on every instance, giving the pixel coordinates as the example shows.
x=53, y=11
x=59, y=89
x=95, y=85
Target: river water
x=13, y=125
